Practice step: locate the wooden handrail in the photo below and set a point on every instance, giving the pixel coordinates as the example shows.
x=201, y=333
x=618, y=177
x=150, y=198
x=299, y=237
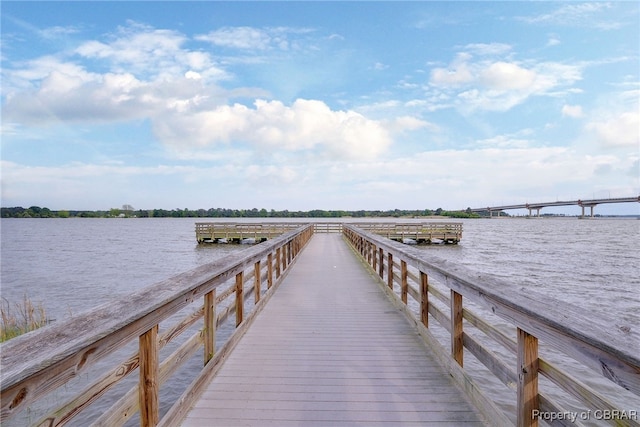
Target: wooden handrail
x=595, y=343
x=35, y=364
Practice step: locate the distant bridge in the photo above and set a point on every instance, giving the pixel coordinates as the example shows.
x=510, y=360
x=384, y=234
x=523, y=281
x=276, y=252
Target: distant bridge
x=538, y=206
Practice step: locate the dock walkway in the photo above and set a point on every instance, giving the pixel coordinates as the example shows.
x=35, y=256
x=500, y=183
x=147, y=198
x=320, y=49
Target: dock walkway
x=330, y=349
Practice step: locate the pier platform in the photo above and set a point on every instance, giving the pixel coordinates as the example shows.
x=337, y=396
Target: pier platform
x=405, y=232
x=331, y=350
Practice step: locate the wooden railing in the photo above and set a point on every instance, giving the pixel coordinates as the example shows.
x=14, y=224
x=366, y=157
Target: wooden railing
x=448, y=232
x=38, y=363
x=211, y=231
x=327, y=227
x=438, y=289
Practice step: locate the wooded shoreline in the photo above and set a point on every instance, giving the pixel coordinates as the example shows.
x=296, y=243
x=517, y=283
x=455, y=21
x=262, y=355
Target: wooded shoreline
x=128, y=212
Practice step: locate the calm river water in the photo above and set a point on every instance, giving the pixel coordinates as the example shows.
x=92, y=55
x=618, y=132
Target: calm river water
x=72, y=265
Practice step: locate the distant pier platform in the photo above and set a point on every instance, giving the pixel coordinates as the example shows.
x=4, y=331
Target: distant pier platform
x=405, y=232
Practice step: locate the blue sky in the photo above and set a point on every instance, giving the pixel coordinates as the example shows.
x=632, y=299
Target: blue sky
x=319, y=105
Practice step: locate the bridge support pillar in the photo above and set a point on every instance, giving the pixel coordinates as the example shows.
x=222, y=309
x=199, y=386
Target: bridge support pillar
x=590, y=207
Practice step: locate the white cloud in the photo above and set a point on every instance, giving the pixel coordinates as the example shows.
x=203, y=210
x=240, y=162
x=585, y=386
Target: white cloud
x=271, y=125
x=504, y=76
x=458, y=73
x=588, y=14
x=574, y=111
x=488, y=48
x=622, y=130
x=498, y=85
x=553, y=41
x=488, y=175
x=145, y=51
x=238, y=38
x=255, y=39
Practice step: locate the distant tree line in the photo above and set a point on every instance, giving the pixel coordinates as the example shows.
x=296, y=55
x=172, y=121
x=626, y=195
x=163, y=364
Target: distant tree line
x=128, y=211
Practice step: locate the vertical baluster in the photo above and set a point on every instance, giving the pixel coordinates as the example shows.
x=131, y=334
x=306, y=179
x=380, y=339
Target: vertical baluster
x=528, y=400
x=209, y=325
x=456, y=327
x=284, y=257
x=148, y=387
x=390, y=270
x=278, y=263
x=269, y=271
x=403, y=283
x=257, y=279
x=381, y=264
x=239, y=297
x=424, y=299
x=374, y=257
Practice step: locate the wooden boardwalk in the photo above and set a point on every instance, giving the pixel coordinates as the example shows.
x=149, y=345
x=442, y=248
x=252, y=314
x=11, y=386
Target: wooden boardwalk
x=329, y=349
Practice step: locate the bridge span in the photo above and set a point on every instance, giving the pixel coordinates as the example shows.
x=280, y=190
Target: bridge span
x=591, y=203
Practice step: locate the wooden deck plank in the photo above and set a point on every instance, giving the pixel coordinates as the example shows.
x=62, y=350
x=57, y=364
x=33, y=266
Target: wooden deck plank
x=330, y=350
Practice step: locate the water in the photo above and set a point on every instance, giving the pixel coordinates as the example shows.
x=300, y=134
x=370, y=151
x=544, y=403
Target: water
x=72, y=265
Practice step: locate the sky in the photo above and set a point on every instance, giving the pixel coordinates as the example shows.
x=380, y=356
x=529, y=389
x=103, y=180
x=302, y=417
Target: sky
x=319, y=105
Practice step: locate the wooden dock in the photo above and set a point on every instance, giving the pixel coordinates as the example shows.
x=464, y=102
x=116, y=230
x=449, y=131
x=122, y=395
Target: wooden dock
x=330, y=349
x=405, y=232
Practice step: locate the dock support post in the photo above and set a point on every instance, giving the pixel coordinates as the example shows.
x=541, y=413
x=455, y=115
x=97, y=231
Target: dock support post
x=148, y=387
x=209, y=325
x=424, y=299
x=239, y=297
x=456, y=328
x=528, y=400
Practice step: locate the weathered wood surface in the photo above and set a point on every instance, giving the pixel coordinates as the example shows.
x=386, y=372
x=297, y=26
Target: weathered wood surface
x=596, y=343
x=329, y=349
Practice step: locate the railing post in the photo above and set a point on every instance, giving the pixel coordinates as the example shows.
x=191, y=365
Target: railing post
x=528, y=400
x=269, y=271
x=374, y=253
x=456, y=327
x=257, y=281
x=239, y=297
x=381, y=262
x=278, y=263
x=390, y=270
x=209, y=325
x=148, y=388
x=424, y=299
x=403, y=283
x=284, y=257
